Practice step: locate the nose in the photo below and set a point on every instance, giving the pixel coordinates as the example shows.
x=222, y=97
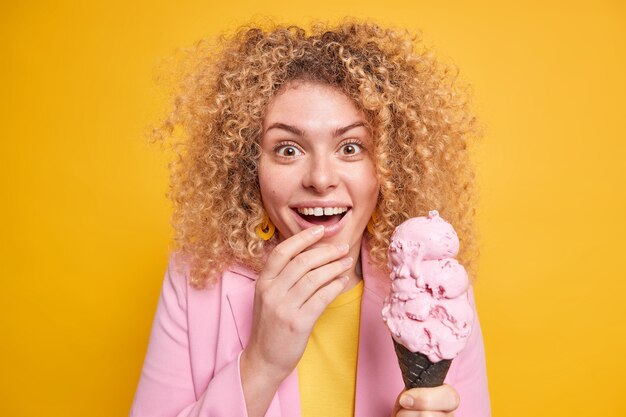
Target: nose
x=321, y=174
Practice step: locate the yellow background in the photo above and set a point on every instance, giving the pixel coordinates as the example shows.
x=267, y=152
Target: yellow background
x=85, y=219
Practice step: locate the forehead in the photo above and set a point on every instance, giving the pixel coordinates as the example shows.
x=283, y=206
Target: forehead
x=305, y=101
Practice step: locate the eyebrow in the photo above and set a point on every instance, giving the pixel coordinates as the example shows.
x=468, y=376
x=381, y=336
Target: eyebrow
x=343, y=130
x=289, y=128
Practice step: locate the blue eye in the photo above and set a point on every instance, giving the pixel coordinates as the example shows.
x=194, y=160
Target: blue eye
x=288, y=151
x=350, y=149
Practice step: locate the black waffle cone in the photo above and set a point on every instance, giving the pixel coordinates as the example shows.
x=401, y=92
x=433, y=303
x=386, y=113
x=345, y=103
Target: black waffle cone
x=418, y=371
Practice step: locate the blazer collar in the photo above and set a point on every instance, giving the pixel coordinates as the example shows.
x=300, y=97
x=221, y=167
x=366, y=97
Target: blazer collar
x=243, y=270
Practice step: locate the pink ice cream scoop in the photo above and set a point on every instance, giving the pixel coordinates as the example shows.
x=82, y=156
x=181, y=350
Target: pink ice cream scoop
x=428, y=309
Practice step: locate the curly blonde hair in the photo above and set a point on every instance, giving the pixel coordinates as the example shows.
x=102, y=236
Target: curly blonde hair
x=419, y=115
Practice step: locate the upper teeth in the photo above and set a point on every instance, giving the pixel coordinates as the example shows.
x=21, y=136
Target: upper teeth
x=322, y=211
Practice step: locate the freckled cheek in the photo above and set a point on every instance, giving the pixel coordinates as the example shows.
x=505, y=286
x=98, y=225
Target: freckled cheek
x=366, y=180
x=367, y=187
x=274, y=189
x=266, y=176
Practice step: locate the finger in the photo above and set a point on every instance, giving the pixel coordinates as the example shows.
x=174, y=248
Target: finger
x=398, y=411
x=306, y=262
x=414, y=413
x=442, y=398
x=288, y=249
x=317, y=303
x=315, y=279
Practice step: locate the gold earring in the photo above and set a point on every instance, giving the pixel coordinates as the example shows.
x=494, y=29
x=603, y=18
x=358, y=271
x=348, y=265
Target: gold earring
x=266, y=229
x=370, y=223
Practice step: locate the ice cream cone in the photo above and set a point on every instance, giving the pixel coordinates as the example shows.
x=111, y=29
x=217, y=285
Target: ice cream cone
x=418, y=371
x=427, y=310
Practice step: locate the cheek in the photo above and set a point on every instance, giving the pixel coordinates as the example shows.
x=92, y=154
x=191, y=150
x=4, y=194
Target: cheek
x=265, y=178
x=372, y=195
x=264, y=183
x=273, y=186
x=366, y=184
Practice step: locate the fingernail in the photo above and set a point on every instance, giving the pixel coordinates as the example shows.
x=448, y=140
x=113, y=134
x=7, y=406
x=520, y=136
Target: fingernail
x=317, y=230
x=343, y=247
x=347, y=261
x=406, y=401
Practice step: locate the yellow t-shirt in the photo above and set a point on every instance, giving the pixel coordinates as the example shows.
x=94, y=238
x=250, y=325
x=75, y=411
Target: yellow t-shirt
x=327, y=370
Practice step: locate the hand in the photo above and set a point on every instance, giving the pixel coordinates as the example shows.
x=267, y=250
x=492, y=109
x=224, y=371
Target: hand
x=427, y=402
x=294, y=288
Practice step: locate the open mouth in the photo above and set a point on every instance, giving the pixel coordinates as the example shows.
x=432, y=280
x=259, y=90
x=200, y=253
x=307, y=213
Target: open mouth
x=326, y=216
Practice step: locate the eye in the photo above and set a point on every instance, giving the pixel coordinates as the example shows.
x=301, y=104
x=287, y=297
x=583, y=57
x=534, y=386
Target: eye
x=349, y=149
x=288, y=151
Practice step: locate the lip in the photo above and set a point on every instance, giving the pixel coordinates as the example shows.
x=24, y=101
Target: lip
x=329, y=231
x=313, y=203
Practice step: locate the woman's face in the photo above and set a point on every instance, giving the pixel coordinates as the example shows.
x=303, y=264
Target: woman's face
x=316, y=165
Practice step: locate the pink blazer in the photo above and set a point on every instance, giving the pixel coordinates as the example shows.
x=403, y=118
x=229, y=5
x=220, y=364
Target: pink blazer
x=192, y=364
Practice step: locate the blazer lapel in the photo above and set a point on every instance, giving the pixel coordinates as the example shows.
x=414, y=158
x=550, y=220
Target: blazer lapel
x=379, y=380
x=241, y=301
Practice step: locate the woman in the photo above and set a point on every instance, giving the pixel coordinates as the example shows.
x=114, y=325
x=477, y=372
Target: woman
x=302, y=152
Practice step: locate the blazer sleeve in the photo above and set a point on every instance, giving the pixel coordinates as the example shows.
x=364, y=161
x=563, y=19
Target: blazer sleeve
x=166, y=387
x=470, y=378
